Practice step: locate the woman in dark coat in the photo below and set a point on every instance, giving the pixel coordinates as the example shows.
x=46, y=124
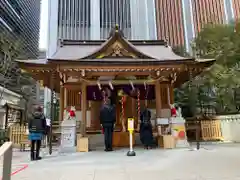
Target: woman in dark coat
x=146, y=134
x=37, y=128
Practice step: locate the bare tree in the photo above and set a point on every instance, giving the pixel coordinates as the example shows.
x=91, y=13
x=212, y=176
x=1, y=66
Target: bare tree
x=11, y=76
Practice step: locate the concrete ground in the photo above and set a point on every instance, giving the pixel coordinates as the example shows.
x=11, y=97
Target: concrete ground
x=215, y=162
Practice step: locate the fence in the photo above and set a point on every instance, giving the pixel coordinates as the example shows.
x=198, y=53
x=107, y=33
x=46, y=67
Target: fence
x=17, y=135
x=6, y=152
x=210, y=129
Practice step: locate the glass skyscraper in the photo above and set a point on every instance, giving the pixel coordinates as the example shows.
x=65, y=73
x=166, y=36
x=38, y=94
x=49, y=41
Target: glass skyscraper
x=20, y=19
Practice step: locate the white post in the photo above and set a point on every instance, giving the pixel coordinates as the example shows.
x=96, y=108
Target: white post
x=130, y=143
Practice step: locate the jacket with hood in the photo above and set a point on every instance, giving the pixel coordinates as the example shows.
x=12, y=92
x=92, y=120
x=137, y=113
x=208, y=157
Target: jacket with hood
x=38, y=123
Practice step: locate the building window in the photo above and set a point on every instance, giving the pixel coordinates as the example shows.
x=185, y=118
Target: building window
x=5, y=24
x=74, y=19
x=114, y=12
x=74, y=13
x=15, y=6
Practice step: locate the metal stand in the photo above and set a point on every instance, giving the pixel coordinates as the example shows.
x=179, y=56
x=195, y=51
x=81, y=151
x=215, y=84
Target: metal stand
x=131, y=152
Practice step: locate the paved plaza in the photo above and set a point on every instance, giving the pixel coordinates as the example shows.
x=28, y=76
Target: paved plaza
x=215, y=162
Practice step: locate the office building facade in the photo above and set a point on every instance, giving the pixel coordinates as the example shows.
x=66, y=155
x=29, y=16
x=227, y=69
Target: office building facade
x=20, y=19
x=175, y=20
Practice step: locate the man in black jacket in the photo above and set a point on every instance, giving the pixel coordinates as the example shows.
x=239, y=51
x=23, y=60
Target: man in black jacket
x=107, y=120
x=37, y=128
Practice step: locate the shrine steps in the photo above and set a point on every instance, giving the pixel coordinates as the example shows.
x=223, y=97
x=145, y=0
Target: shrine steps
x=97, y=140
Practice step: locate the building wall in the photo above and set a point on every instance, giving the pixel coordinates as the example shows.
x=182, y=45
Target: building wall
x=207, y=11
x=169, y=16
x=20, y=19
x=179, y=21
x=93, y=20
x=236, y=7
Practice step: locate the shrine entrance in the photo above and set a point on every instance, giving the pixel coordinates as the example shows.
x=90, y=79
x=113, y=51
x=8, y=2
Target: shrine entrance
x=135, y=71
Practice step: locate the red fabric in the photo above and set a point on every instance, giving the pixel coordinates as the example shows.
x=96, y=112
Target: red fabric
x=181, y=134
x=72, y=113
x=173, y=112
x=102, y=131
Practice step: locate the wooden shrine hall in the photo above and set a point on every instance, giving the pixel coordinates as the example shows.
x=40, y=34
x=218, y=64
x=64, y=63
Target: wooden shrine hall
x=79, y=70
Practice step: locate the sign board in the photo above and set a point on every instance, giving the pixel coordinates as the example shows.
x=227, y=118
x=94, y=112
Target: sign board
x=130, y=124
x=68, y=137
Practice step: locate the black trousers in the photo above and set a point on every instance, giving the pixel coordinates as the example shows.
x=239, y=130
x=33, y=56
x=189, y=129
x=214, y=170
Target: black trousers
x=108, y=136
x=35, y=147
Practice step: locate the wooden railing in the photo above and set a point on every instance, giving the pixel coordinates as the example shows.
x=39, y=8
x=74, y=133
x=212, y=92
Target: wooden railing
x=6, y=152
x=209, y=129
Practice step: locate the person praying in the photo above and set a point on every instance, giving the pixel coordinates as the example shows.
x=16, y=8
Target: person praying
x=107, y=120
x=146, y=134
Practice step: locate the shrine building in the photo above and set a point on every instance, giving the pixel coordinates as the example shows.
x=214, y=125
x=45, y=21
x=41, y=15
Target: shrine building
x=145, y=72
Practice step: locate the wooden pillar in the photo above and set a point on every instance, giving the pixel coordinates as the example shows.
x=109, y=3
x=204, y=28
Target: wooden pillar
x=158, y=102
x=158, y=99
x=65, y=93
x=61, y=103
x=84, y=108
x=171, y=93
x=95, y=112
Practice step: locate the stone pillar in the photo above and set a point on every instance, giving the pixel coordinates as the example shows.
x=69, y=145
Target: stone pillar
x=84, y=108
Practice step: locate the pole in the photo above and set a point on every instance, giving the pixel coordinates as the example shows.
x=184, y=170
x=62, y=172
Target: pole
x=131, y=152
x=51, y=118
x=130, y=143
x=198, y=135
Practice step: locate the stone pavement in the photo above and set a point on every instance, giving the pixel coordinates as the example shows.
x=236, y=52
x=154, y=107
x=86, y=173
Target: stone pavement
x=217, y=162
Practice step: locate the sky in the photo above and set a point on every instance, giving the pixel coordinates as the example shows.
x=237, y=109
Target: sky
x=43, y=25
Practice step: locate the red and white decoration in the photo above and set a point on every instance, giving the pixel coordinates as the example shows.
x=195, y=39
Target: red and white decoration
x=70, y=113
